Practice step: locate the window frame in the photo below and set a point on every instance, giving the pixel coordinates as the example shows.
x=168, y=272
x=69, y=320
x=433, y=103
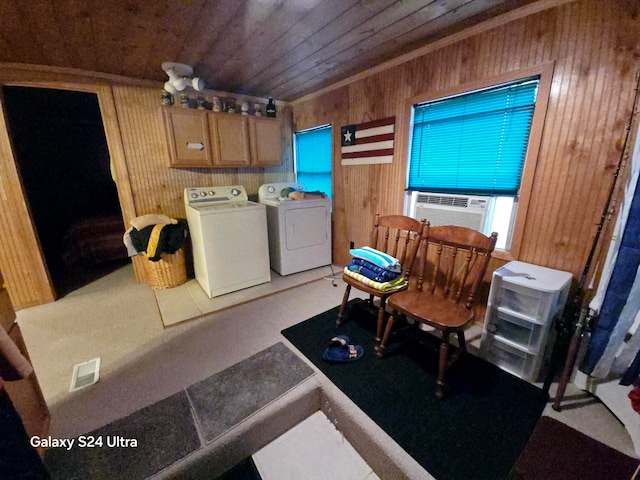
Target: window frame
x=523, y=198
x=295, y=160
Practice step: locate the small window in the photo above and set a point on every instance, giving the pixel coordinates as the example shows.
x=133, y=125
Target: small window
x=312, y=156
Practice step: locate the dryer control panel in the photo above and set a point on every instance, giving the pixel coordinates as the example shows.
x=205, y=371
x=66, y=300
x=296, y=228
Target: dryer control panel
x=273, y=192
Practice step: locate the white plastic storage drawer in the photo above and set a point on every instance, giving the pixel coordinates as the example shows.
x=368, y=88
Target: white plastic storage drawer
x=513, y=360
x=525, y=301
x=525, y=333
x=535, y=292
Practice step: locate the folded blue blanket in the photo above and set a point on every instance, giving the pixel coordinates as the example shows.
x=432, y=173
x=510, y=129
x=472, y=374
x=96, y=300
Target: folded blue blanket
x=370, y=274
x=377, y=257
x=370, y=270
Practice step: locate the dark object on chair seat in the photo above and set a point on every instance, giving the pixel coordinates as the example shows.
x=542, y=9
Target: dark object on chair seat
x=395, y=235
x=556, y=451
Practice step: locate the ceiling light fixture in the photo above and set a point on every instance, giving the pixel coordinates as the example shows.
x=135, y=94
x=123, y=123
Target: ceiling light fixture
x=180, y=78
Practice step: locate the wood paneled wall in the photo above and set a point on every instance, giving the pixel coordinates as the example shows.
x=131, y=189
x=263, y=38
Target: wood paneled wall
x=158, y=189
x=138, y=149
x=596, y=54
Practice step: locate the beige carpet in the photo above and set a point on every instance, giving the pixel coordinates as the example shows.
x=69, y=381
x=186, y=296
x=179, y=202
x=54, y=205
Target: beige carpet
x=169, y=431
x=142, y=362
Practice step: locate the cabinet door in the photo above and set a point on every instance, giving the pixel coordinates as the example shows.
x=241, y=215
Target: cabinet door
x=188, y=137
x=266, y=141
x=229, y=140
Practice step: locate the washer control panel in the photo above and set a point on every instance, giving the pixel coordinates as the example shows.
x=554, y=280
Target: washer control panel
x=222, y=194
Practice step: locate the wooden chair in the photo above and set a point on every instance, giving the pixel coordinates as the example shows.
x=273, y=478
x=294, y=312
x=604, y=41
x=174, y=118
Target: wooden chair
x=398, y=236
x=449, y=268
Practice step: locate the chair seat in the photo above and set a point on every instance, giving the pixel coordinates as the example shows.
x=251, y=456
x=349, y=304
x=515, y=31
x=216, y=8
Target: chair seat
x=431, y=309
x=395, y=236
x=369, y=289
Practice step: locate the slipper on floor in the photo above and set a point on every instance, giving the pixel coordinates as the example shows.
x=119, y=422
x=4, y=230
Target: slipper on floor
x=339, y=341
x=343, y=354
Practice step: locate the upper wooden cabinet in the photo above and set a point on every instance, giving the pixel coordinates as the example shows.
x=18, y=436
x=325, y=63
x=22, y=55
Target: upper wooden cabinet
x=230, y=140
x=266, y=147
x=188, y=137
x=204, y=139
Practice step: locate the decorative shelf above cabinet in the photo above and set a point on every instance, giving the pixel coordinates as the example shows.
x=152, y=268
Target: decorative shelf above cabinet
x=205, y=139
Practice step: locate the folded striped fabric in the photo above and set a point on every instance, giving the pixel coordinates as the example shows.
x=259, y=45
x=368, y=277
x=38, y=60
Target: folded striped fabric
x=396, y=284
x=377, y=257
x=386, y=275
x=379, y=275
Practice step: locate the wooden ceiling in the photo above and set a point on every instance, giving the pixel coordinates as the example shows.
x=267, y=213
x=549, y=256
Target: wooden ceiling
x=279, y=48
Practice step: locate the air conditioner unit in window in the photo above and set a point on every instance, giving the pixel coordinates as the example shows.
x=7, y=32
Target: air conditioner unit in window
x=444, y=209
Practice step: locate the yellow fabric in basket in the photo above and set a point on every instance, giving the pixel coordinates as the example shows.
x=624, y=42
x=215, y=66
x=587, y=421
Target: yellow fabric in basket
x=154, y=238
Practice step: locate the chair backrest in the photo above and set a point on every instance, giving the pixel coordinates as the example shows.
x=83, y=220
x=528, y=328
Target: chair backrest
x=398, y=236
x=451, y=262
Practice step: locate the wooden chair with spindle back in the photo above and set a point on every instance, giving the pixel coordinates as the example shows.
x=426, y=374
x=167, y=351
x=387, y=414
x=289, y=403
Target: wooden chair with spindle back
x=398, y=236
x=448, y=271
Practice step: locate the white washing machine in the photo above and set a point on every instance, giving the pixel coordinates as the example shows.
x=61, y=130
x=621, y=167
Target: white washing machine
x=229, y=237
x=299, y=230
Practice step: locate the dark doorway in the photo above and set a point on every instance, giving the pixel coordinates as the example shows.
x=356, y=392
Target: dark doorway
x=64, y=164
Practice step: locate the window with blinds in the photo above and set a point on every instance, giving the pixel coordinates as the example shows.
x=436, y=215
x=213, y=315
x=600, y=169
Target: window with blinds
x=312, y=156
x=474, y=143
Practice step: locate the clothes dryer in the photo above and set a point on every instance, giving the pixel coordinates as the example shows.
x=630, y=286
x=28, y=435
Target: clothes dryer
x=229, y=237
x=299, y=230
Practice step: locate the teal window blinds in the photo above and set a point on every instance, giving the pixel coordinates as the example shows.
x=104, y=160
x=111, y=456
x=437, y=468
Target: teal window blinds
x=313, y=159
x=473, y=143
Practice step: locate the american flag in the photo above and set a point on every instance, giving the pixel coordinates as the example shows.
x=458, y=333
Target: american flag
x=370, y=142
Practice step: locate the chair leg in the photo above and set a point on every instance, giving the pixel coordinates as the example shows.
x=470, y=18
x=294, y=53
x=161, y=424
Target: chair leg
x=381, y=315
x=462, y=342
x=345, y=299
x=442, y=364
x=380, y=348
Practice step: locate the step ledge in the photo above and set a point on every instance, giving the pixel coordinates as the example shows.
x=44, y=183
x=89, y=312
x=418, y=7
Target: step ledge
x=386, y=458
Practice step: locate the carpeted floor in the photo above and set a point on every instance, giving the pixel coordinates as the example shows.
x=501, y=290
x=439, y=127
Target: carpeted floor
x=157, y=436
x=223, y=400
x=477, y=431
x=163, y=432
x=558, y=452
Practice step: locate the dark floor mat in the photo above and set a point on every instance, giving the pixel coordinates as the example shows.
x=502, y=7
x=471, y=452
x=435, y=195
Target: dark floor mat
x=245, y=470
x=476, y=432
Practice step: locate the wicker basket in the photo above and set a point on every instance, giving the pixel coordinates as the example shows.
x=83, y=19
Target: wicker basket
x=168, y=272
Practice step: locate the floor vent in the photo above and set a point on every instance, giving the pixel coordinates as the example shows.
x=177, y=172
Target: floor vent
x=85, y=374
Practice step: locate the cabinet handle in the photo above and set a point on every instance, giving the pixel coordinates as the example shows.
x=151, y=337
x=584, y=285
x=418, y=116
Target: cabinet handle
x=195, y=146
